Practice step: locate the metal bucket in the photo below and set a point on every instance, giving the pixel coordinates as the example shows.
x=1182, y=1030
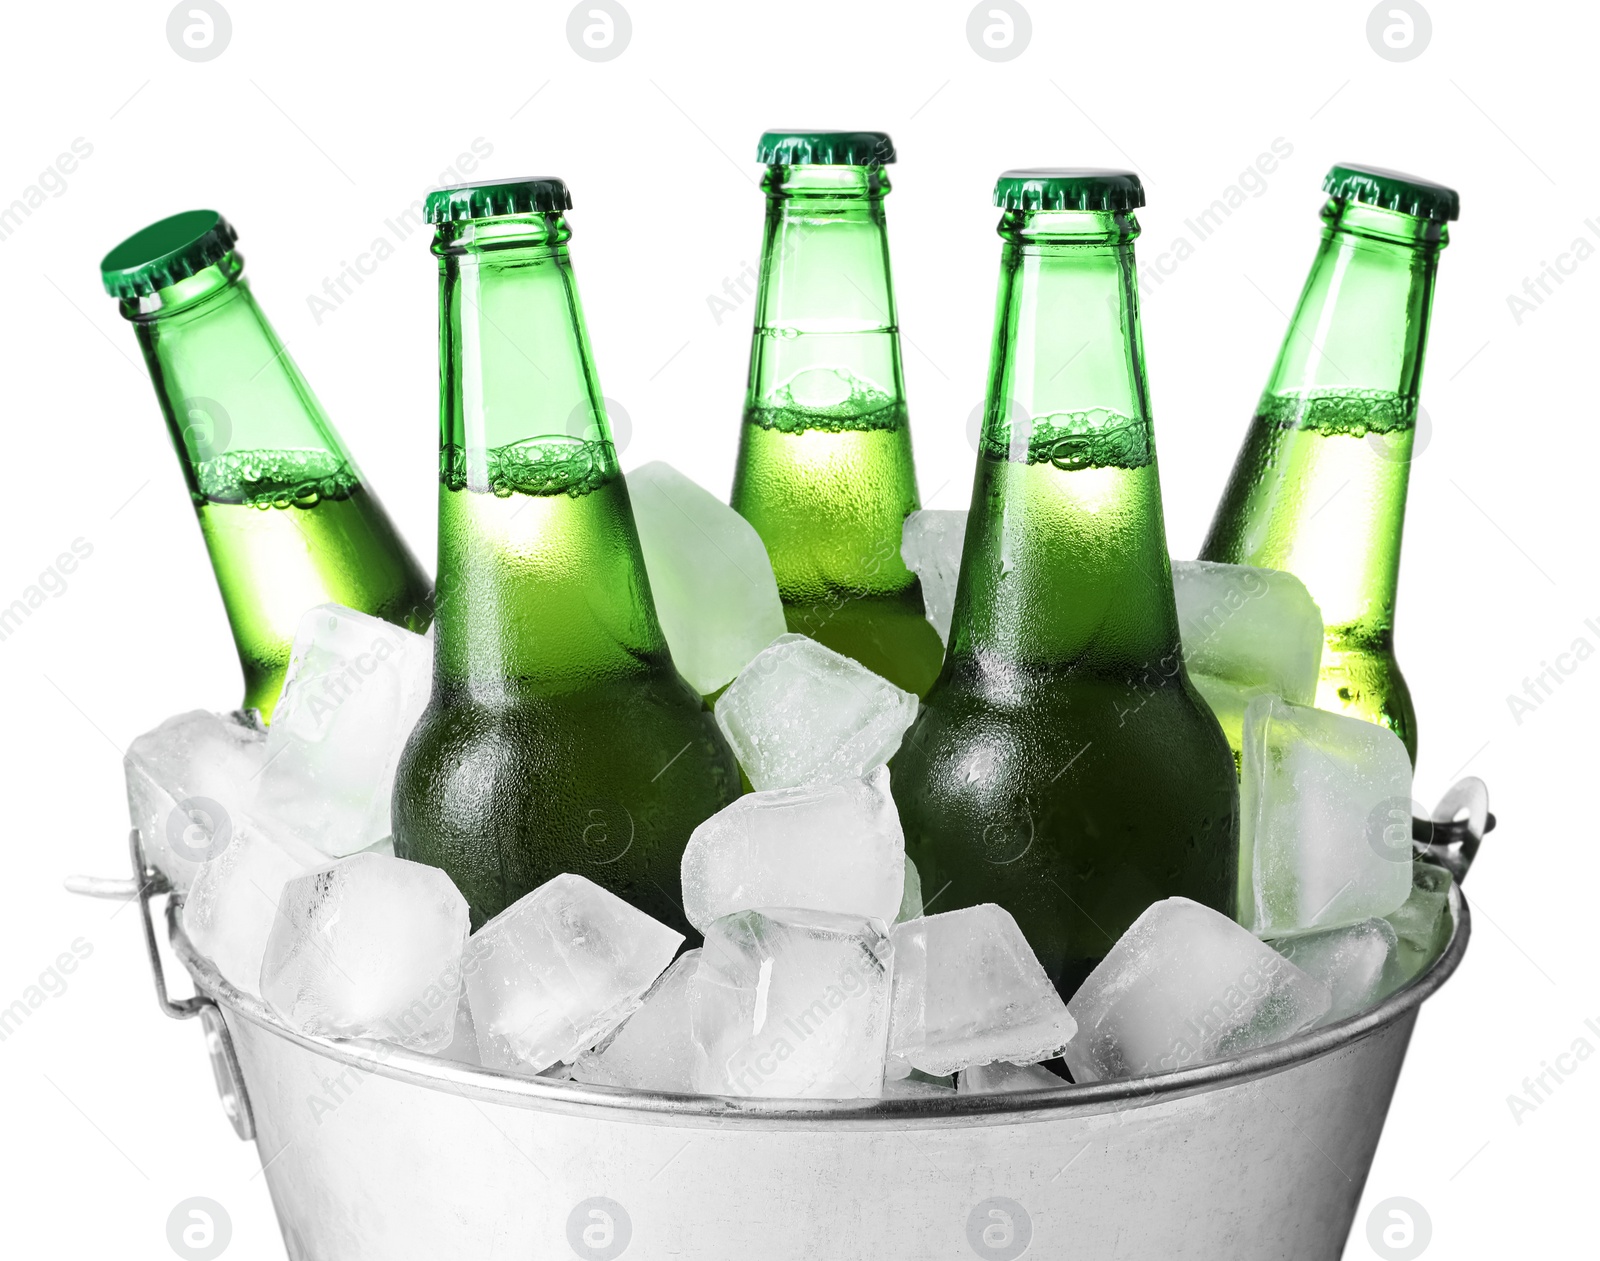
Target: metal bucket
x=375, y=1153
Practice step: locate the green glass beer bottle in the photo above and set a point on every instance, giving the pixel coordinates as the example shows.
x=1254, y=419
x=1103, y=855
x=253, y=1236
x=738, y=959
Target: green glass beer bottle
x=1063, y=765
x=825, y=472
x=1319, y=487
x=559, y=738
x=288, y=520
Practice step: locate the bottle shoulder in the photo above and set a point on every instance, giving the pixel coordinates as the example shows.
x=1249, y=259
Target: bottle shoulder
x=624, y=729
x=1048, y=720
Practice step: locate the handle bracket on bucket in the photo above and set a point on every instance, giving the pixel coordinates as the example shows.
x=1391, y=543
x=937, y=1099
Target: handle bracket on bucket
x=147, y=882
x=1451, y=835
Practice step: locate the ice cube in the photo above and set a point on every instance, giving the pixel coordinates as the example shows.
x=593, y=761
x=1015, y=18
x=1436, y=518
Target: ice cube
x=709, y=573
x=792, y=1005
x=369, y=947
x=567, y=964
x=355, y=688
x=969, y=990
x=654, y=1048
x=918, y=1086
x=1319, y=798
x=463, y=1044
x=230, y=908
x=803, y=714
x=1228, y=703
x=1254, y=628
x=828, y=847
x=1349, y=961
x=930, y=544
x=190, y=783
x=911, y=895
x=1422, y=924
x=1182, y=986
x=1003, y=1078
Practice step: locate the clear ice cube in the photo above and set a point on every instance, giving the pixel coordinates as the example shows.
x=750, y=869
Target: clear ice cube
x=709, y=573
x=463, y=1044
x=654, y=1048
x=828, y=847
x=230, y=908
x=1422, y=924
x=1005, y=1078
x=792, y=1005
x=801, y=713
x=355, y=688
x=1258, y=629
x=1185, y=985
x=564, y=965
x=1324, y=821
x=1228, y=703
x=911, y=895
x=930, y=544
x=1350, y=961
x=969, y=990
x=368, y=947
x=918, y=1086
x=190, y=785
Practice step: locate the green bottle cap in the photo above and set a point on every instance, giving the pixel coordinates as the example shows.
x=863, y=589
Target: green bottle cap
x=166, y=252
x=1393, y=190
x=1068, y=188
x=825, y=148
x=488, y=199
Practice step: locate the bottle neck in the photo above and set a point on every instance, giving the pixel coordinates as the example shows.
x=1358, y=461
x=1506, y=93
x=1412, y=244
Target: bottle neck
x=1066, y=560
x=244, y=422
x=1330, y=451
x=1355, y=346
x=826, y=341
x=541, y=585
x=517, y=380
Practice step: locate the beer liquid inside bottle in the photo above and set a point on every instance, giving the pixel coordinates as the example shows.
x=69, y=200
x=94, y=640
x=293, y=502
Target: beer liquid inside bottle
x=1063, y=765
x=287, y=519
x=825, y=471
x=559, y=737
x=1319, y=487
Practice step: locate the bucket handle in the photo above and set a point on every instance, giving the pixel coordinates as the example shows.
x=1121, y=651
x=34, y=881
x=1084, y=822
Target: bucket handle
x=1451, y=835
x=146, y=883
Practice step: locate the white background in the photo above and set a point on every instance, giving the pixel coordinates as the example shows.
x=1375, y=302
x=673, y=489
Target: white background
x=319, y=122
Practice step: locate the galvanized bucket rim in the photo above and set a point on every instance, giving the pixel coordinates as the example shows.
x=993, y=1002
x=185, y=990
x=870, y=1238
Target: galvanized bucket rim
x=930, y=1112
